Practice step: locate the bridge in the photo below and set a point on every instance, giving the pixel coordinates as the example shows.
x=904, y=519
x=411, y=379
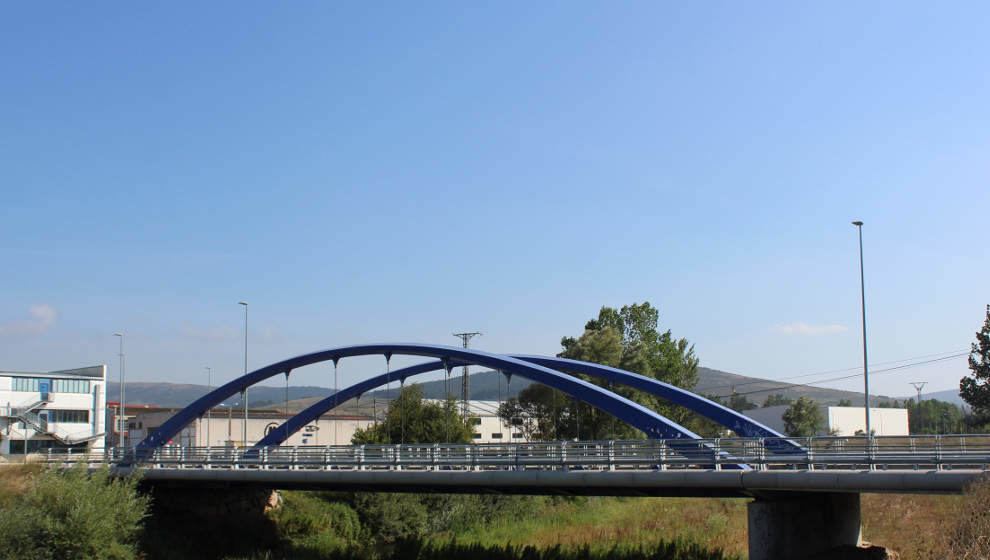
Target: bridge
x=806, y=490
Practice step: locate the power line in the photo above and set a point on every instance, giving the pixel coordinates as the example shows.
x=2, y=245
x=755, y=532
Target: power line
x=854, y=368
x=811, y=384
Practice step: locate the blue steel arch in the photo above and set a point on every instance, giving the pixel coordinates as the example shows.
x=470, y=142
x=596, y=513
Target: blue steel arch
x=722, y=415
x=651, y=423
x=726, y=417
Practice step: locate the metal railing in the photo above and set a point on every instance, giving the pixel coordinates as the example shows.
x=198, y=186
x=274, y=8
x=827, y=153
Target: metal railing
x=936, y=452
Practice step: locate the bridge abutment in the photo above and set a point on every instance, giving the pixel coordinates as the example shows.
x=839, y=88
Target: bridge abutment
x=803, y=524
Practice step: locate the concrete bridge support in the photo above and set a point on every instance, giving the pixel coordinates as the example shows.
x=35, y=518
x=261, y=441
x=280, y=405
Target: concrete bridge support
x=803, y=525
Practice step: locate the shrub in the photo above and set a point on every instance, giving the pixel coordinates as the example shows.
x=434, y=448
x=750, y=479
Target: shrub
x=73, y=514
x=969, y=538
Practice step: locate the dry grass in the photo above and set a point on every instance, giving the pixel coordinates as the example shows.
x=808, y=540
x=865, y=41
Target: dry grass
x=908, y=523
x=15, y=477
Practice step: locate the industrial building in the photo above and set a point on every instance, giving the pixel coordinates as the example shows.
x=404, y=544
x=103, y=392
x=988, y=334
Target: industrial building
x=850, y=420
x=52, y=410
x=842, y=420
x=225, y=426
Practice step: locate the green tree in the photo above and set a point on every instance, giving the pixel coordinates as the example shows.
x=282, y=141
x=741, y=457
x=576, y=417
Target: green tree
x=412, y=419
x=975, y=389
x=844, y=402
x=775, y=400
x=628, y=338
x=803, y=418
x=740, y=403
x=932, y=416
x=73, y=514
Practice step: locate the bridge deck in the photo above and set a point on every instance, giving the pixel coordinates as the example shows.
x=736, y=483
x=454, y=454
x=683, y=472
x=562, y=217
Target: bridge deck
x=698, y=483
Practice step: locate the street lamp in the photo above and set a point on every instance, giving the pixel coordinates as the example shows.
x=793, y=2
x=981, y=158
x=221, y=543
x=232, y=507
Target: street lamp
x=862, y=299
x=120, y=409
x=245, y=393
x=209, y=411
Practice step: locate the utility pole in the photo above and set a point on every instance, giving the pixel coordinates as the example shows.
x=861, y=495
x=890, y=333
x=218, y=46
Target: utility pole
x=244, y=393
x=122, y=408
x=209, y=411
x=919, y=385
x=465, y=384
x=862, y=299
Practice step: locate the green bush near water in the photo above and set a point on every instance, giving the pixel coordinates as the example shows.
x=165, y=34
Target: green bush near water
x=73, y=514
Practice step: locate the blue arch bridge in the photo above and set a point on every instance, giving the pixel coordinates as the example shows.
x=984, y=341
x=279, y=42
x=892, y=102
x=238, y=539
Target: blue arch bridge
x=805, y=490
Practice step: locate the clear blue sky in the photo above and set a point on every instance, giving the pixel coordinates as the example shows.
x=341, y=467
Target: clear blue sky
x=402, y=171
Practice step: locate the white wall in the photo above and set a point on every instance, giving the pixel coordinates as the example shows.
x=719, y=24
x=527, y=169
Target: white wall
x=223, y=428
x=846, y=420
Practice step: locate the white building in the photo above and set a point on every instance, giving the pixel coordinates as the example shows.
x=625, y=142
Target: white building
x=488, y=427
x=847, y=420
x=225, y=427
x=842, y=420
x=55, y=409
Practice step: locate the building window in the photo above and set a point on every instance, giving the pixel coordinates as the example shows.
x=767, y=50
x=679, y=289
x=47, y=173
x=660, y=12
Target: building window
x=474, y=421
x=517, y=436
x=69, y=416
x=496, y=436
x=476, y=435
x=33, y=385
x=25, y=384
x=70, y=386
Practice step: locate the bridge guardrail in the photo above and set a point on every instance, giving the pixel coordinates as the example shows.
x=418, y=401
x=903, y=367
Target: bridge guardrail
x=815, y=453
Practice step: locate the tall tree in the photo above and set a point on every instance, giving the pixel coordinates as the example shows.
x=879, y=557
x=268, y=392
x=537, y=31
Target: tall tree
x=628, y=338
x=975, y=388
x=412, y=419
x=777, y=399
x=740, y=403
x=803, y=418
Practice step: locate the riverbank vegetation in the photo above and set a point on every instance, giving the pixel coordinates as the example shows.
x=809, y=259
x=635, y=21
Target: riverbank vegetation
x=69, y=514
x=48, y=514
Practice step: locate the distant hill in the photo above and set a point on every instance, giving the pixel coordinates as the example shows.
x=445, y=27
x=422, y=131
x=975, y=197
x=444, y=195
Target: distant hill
x=756, y=390
x=949, y=396
x=485, y=385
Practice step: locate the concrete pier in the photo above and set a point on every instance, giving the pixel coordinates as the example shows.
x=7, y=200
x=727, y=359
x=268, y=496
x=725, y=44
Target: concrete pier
x=800, y=525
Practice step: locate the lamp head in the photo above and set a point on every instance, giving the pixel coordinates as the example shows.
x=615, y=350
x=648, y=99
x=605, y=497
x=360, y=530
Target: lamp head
x=118, y=334
x=857, y=224
x=244, y=303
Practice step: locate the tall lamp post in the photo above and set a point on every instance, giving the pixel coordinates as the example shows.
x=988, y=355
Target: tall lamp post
x=862, y=299
x=209, y=411
x=121, y=408
x=245, y=393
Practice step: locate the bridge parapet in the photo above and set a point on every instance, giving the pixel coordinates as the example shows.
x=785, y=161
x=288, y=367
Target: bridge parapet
x=940, y=452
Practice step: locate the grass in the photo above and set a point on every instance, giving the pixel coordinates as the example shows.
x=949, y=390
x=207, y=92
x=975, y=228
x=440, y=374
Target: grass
x=908, y=523
x=606, y=523
x=16, y=477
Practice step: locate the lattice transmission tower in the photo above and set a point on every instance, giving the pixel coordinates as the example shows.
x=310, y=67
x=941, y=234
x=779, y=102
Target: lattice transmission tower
x=465, y=384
